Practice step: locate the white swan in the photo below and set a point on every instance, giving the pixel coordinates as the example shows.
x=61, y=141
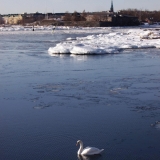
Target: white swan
x=88, y=150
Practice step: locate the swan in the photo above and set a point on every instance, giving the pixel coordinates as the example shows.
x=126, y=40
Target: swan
x=88, y=150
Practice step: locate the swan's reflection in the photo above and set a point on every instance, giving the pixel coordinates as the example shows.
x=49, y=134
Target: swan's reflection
x=94, y=157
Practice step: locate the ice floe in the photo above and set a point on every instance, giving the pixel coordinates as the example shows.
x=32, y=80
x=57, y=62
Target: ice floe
x=156, y=125
x=114, y=42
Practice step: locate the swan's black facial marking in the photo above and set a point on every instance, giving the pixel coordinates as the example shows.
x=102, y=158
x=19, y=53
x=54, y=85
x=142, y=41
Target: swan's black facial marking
x=78, y=142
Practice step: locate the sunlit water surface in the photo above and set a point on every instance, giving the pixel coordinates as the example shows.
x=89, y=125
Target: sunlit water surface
x=48, y=103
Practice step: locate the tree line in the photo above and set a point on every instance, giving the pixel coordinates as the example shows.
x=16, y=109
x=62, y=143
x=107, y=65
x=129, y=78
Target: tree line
x=75, y=16
x=143, y=15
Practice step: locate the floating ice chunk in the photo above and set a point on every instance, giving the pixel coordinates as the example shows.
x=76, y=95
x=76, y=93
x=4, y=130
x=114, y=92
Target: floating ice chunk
x=108, y=43
x=129, y=46
x=86, y=50
x=150, y=35
x=90, y=37
x=117, y=90
x=156, y=125
x=146, y=46
x=158, y=45
x=156, y=33
x=59, y=49
x=131, y=31
x=70, y=39
x=113, y=34
x=145, y=34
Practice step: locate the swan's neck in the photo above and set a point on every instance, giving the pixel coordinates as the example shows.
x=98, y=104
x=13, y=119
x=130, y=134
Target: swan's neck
x=80, y=148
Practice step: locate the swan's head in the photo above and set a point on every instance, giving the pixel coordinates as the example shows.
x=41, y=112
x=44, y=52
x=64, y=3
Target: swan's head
x=79, y=142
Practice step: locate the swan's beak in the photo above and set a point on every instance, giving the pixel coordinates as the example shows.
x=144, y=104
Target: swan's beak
x=77, y=144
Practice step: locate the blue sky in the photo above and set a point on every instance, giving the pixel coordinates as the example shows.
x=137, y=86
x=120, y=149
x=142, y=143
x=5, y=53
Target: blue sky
x=30, y=6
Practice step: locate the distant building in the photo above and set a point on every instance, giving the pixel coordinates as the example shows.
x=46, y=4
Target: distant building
x=111, y=9
x=1, y=19
x=112, y=18
x=12, y=19
x=23, y=18
x=120, y=20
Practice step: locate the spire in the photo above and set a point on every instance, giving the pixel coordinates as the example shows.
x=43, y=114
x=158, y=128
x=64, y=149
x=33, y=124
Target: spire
x=111, y=9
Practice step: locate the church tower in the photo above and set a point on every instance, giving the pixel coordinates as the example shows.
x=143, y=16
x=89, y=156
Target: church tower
x=111, y=9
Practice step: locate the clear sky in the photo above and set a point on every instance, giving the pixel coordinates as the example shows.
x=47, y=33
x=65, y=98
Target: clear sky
x=43, y=6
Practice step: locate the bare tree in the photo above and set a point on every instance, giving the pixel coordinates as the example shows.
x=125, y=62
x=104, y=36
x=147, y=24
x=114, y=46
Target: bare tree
x=142, y=15
x=1, y=20
x=76, y=16
x=67, y=16
x=83, y=16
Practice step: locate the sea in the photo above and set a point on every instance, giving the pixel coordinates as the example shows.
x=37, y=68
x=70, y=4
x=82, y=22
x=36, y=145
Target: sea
x=47, y=103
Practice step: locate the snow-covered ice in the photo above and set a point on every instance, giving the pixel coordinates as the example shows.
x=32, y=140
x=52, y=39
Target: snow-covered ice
x=29, y=28
x=114, y=42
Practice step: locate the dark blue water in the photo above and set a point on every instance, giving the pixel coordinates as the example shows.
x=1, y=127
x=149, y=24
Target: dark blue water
x=48, y=103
